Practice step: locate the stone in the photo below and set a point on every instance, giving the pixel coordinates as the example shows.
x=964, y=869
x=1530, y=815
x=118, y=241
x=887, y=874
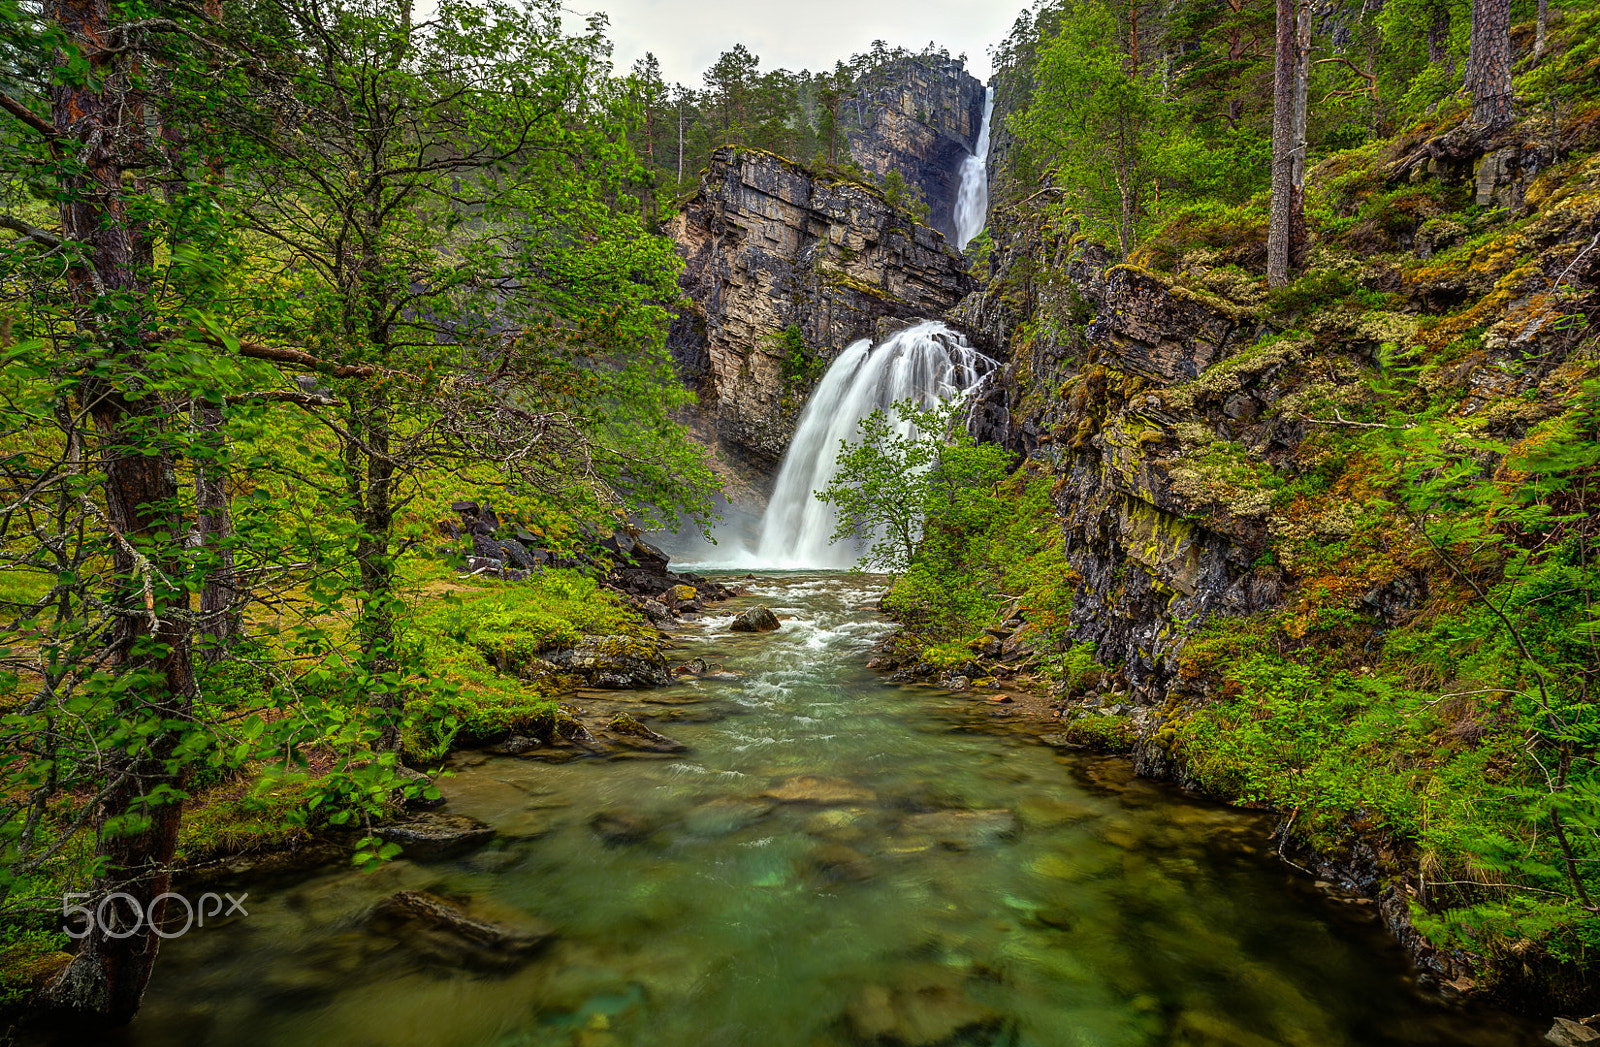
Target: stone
x=828, y=792
x=681, y=594
x=757, y=619
x=958, y=683
x=621, y=826
x=615, y=662
x=656, y=611
x=922, y=1008
x=962, y=830
x=1047, y=812
x=515, y=745
x=694, y=667
x=627, y=731
x=431, y=836
x=723, y=816
x=1567, y=1033
x=448, y=934
x=837, y=861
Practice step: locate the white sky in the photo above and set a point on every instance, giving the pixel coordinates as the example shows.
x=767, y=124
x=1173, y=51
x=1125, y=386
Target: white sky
x=688, y=35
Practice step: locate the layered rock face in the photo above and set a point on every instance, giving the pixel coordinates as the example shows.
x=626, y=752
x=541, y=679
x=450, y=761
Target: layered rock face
x=1172, y=405
x=919, y=116
x=770, y=246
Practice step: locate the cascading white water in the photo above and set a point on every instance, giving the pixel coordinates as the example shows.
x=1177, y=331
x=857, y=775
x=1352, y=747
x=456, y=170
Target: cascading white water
x=972, y=194
x=928, y=363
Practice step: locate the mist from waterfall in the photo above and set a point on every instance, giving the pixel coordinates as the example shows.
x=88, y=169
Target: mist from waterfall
x=972, y=193
x=928, y=363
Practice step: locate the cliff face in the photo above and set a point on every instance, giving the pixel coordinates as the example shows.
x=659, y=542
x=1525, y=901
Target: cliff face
x=920, y=116
x=769, y=246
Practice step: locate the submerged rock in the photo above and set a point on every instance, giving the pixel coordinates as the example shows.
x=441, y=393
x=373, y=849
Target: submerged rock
x=827, y=791
x=923, y=1008
x=448, y=934
x=720, y=817
x=961, y=830
x=426, y=837
x=616, y=662
x=757, y=619
x=621, y=826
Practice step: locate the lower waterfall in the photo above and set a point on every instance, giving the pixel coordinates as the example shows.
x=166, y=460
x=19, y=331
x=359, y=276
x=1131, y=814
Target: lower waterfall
x=928, y=363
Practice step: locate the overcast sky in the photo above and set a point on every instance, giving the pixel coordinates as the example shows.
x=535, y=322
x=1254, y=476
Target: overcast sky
x=688, y=35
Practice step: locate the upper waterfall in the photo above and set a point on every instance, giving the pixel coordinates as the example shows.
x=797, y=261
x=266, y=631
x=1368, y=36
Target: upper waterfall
x=928, y=363
x=972, y=198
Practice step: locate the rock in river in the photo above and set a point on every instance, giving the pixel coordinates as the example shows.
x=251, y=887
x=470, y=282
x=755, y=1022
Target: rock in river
x=448, y=934
x=923, y=1008
x=429, y=836
x=827, y=791
x=757, y=619
x=625, y=730
x=616, y=662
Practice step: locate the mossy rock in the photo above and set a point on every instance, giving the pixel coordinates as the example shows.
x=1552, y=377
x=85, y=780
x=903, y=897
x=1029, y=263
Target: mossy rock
x=616, y=662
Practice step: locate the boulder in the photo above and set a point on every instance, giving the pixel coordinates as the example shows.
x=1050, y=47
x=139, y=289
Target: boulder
x=615, y=662
x=515, y=745
x=1568, y=1033
x=829, y=792
x=757, y=619
x=621, y=826
x=448, y=934
x=961, y=830
x=627, y=731
x=922, y=1008
x=427, y=837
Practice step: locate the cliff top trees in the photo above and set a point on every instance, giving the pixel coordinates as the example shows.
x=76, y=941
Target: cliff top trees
x=1097, y=121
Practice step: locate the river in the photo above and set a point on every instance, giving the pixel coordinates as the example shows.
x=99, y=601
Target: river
x=953, y=879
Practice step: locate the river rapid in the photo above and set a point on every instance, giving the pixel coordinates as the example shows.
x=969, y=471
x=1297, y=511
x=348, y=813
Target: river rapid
x=836, y=860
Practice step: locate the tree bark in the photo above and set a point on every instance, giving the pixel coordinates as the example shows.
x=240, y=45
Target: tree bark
x=1488, y=74
x=220, y=619
x=1286, y=58
x=1541, y=22
x=1297, y=176
x=149, y=642
x=1439, y=34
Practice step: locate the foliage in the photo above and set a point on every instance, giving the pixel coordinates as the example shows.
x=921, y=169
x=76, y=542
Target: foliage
x=922, y=470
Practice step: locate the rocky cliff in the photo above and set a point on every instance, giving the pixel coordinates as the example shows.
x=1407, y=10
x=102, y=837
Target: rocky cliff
x=920, y=116
x=784, y=269
x=1226, y=467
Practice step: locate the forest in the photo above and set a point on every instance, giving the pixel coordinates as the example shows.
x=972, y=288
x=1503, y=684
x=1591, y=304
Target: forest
x=286, y=284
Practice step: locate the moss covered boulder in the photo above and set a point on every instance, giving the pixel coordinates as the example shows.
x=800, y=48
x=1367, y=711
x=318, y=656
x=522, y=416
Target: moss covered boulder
x=615, y=662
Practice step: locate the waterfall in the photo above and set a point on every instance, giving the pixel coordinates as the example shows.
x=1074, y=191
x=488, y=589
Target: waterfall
x=972, y=195
x=928, y=363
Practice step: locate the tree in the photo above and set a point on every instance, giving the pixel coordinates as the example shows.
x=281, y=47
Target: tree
x=1488, y=72
x=451, y=223
x=901, y=473
x=730, y=81
x=1098, y=123
x=1289, y=86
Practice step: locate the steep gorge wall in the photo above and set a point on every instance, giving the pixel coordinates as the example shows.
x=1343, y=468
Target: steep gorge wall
x=920, y=116
x=768, y=246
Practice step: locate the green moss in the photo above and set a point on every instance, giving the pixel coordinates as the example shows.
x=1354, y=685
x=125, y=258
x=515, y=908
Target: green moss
x=1101, y=734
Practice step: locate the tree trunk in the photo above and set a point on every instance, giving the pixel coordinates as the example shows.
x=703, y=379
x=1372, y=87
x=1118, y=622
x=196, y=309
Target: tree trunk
x=1439, y=34
x=1297, y=175
x=1489, y=64
x=149, y=644
x=1286, y=58
x=1540, y=24
x=219, y=613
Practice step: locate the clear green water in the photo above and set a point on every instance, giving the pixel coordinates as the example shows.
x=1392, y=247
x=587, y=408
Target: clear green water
x=1085, y=908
